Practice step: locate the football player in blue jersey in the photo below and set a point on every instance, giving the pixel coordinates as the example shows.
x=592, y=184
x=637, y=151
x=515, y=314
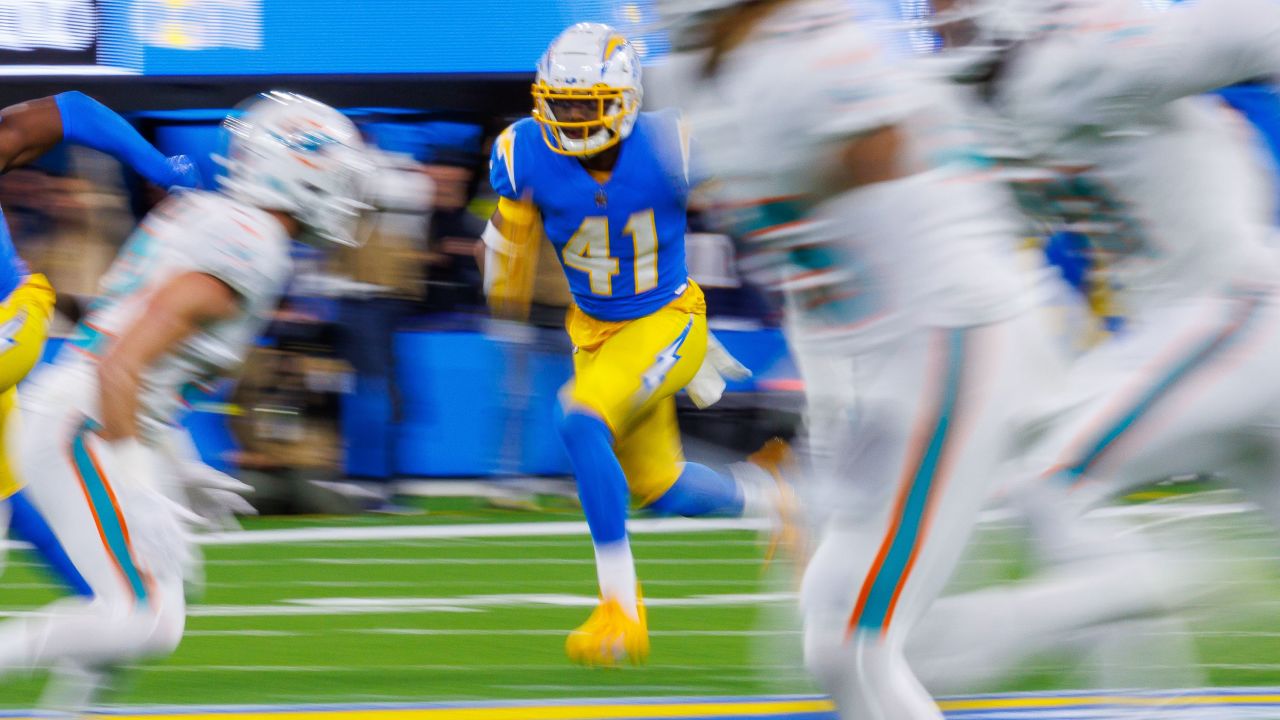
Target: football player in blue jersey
x=27, y=131
x=608, y=185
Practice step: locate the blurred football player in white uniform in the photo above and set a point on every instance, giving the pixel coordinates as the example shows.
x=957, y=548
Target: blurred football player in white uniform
x=844, y=175
x=1170, y=191
x=1165, y=185
x=190, y=291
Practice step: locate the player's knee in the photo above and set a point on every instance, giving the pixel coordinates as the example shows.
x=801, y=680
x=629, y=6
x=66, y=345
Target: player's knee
x=842, y=664
x=112, y=603
x=164, y=631
x=578, y=427
x=155, y=626
x=698, y=491
x=828, y=659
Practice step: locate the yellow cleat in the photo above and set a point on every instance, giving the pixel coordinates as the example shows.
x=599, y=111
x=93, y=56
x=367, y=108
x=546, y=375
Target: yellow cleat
x=609, y=637
x=775, y=458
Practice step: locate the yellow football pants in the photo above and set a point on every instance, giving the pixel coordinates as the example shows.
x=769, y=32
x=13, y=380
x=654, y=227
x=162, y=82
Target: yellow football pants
x=628, y=373
x=24, y=327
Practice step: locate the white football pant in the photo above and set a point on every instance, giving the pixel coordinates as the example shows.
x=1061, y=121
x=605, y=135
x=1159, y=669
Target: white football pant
x=122, y=538
x=907, y=441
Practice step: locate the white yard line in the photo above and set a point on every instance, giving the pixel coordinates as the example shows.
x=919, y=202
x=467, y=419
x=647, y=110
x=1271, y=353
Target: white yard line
x=339, y=606
x=558, y=632
x=508, y=561
x=469, y=632
x=488, y=668
x=535, y=599
x=411, y=585
x=247, y=633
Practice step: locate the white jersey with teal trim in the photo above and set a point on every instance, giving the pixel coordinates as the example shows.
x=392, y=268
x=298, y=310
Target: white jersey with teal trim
x=202, y=232
x=931, y=249
x=1171, y=190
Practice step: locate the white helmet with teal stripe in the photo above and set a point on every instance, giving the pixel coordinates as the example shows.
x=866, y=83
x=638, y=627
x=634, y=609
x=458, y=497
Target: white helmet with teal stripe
x=290, y=153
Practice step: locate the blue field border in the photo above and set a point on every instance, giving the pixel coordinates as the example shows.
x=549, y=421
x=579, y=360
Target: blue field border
x=1069, y=705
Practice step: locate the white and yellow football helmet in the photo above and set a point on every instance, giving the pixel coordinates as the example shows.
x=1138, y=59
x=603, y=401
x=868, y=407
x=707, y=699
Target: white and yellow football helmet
x=290, y=153
x=587, y=93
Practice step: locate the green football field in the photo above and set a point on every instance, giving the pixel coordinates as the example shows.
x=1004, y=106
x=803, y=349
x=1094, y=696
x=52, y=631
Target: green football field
x=334, y=617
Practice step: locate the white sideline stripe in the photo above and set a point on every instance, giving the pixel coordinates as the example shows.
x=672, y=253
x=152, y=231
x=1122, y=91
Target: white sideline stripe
x=479, y=530
x=643, y=526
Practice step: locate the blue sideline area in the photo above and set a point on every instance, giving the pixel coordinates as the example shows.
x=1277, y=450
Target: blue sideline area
x=454, y=388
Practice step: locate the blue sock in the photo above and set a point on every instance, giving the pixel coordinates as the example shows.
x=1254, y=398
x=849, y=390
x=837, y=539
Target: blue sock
x=28, y=524
x=701, y=491
x=602, y=486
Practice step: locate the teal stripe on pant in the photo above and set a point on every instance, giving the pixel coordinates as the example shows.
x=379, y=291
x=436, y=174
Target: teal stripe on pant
x=878, y=608
x=1196, y=359
x=109, y=517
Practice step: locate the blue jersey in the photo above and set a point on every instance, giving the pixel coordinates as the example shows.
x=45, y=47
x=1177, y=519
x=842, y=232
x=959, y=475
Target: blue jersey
x=12, y=268
x=621, y=242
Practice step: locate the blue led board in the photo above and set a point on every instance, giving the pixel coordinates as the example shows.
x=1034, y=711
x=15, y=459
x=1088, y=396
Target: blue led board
x=295, y=37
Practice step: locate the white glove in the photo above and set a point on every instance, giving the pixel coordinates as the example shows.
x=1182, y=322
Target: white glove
x=708, y=383
x=213, y=497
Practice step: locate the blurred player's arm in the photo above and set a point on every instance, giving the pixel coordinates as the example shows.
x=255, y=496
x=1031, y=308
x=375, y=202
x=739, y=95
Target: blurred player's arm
x=30, y=129
x=513, y=235
x=859, y=96
x=1198, y=47
x=511, y=245
x=1102, y=73
x=176, y=311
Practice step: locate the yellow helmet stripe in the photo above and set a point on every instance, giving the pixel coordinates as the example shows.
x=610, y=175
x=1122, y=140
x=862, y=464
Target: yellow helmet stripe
x=615, y=42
